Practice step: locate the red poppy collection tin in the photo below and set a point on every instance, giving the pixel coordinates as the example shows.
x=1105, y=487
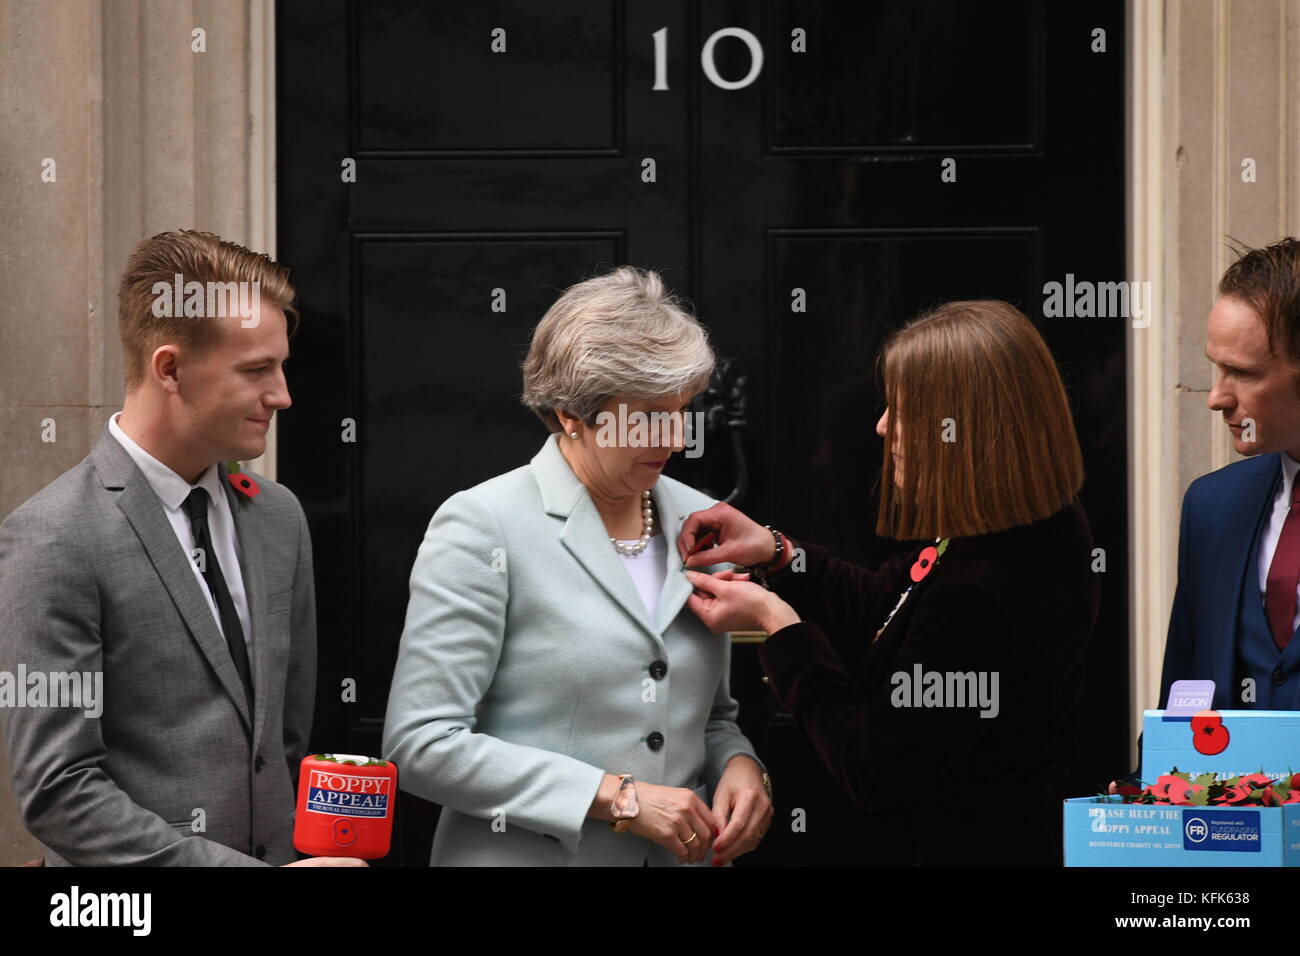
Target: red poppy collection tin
x=345, y=806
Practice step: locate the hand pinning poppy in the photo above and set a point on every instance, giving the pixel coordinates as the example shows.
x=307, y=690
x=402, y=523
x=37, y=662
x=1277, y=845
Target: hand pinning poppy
x=240, y=482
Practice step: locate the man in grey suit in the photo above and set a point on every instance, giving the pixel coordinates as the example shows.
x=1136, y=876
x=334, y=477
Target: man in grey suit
x=186, y=590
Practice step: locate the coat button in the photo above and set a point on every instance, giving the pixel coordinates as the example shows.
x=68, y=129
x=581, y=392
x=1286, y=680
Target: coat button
x=658, y=669
x=260, y=852
x=258, y=764
x=1279, y=678
x=655, y=740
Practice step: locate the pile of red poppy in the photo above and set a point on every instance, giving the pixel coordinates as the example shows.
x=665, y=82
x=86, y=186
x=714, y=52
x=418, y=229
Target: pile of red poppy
x=1207, y=790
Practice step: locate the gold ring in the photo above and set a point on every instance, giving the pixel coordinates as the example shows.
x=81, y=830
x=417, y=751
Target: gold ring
x=691, y=840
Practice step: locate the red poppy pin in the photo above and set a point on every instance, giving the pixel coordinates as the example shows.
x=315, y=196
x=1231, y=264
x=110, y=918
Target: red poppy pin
x=925, y=561
x=240, y=482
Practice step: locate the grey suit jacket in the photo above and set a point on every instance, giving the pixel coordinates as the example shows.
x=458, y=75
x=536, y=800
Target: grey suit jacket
x=524, y=674
x=92, y=578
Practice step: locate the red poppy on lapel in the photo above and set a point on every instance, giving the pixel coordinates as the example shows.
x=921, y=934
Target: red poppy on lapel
x=240, y=482
x=924, y=563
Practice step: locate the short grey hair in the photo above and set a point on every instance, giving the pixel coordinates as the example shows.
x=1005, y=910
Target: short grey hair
x=620, y=333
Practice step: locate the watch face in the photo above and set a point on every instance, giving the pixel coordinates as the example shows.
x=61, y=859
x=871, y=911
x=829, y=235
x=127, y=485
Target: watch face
x=625, y=805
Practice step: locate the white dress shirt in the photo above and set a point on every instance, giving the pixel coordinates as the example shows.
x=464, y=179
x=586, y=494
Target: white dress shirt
x=172, y=490
x=648, y=570
x=1273, y=531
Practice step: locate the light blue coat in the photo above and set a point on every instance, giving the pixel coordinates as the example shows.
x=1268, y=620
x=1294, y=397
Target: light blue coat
x=524, y=674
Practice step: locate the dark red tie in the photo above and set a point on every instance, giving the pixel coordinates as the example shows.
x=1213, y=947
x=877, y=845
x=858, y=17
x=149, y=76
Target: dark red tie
x=1284, y=574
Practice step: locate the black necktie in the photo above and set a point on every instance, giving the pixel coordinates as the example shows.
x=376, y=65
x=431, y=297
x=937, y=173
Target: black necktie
x=196, y=506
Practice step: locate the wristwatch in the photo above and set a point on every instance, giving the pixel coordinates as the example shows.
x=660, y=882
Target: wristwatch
x=625, y=807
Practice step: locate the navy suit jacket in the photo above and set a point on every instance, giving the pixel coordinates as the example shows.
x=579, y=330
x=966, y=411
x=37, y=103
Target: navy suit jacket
x=1216, y=556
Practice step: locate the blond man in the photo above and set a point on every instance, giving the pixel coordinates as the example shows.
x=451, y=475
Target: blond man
x=185, y=598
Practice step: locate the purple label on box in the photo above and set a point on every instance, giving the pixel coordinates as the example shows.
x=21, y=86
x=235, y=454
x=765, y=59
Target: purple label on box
x=1186, y=697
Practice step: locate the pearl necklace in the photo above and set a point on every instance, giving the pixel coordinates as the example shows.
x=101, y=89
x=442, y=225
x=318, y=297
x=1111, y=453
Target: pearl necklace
x=647, y=527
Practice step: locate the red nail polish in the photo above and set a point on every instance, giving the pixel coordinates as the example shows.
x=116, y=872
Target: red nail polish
x=716, y=833
x=717, y=862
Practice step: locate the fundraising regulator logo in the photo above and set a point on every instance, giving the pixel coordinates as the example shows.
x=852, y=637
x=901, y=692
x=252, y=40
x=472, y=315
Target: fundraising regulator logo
x=1237, y=830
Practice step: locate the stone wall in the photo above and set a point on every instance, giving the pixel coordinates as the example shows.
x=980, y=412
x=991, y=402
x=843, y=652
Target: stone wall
x=146, y=135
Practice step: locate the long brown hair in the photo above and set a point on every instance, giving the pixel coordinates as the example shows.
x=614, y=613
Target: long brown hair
x=987, y=438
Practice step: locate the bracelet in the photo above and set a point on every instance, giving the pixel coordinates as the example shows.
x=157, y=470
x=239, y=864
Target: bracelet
x=780, y=548
x=759, y=573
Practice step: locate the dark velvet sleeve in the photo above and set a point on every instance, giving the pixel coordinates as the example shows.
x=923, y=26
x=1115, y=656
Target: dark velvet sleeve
x=882, y=755
x=846, y=599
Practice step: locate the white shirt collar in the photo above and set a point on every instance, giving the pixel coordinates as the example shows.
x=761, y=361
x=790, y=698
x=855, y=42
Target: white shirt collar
x=170, y=487
x=1289, y=469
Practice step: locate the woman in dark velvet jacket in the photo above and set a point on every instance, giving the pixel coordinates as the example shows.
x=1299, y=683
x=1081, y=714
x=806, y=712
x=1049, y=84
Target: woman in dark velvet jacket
x=955, y=733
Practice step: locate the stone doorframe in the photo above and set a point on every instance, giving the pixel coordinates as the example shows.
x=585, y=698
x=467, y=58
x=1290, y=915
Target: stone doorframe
x=1211, y=85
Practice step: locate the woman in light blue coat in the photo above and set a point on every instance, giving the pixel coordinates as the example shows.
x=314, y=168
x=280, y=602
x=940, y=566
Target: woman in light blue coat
x=552, y=690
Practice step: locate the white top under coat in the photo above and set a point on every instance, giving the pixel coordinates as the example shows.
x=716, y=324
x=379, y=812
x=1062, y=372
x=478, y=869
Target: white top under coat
x=648, y=569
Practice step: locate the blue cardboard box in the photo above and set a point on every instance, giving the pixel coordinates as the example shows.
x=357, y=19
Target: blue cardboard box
x=1107, y=832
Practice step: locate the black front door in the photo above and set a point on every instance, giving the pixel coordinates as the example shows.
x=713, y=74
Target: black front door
x=445, y=169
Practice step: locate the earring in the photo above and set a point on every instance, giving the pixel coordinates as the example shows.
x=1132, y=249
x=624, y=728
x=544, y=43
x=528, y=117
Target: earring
x=573, y=434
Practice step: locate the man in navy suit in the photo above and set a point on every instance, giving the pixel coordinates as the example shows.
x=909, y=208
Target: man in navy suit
x=1235, y=612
